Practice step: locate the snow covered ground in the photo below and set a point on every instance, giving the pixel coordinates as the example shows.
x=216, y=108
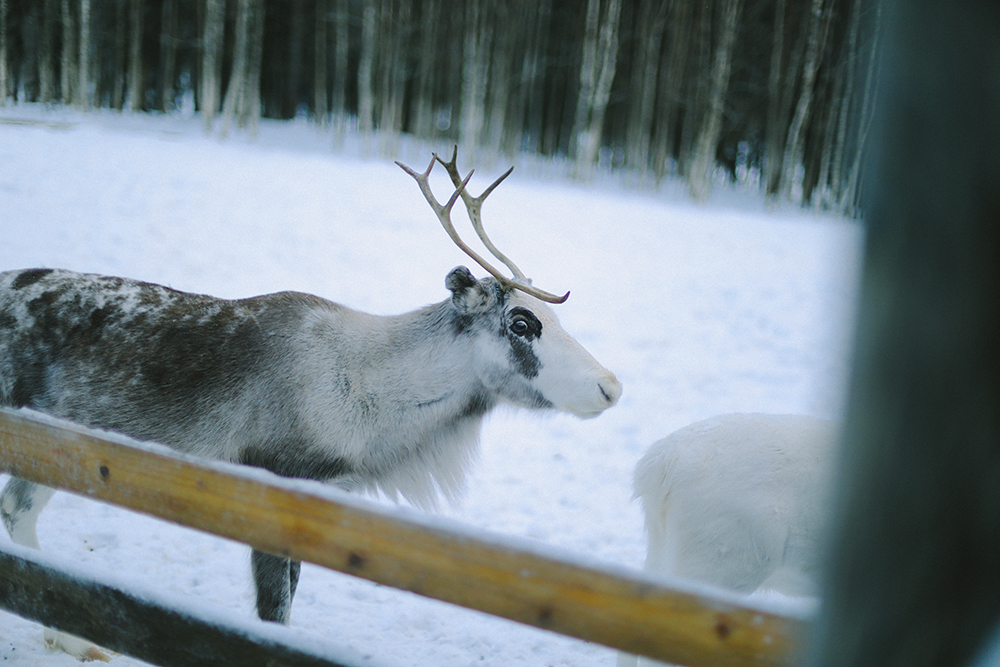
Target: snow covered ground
x=700, y=310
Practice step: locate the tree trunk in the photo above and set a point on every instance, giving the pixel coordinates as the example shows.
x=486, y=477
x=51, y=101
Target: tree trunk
x=533, y=81
x=703, y=162
x=475, y=73
x=848, y=199
x=395, y=68
x=118, y=83
x=775, y=132
x=68, y=77
x=136, y=86
x=366, y=69
x=83, y=89
x=601, y=56
x=670, y=85
x=651, y=25
x=499, y=90
x=3, y=53
x=320, y=90
x=46, y=74
x=255, y=61
x=168, y=54
x=851, y=60
x=795, y=143
x=423, y=115
x=211, y=61
x=340, y=69
x=236, y=93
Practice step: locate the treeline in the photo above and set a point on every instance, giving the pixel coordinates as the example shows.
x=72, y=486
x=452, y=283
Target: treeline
x=778, y=90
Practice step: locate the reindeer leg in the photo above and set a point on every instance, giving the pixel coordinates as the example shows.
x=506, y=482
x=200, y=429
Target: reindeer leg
x=276, y=578
x=20, y=504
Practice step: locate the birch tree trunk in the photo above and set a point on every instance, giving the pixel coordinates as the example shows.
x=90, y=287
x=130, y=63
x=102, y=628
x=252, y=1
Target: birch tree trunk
x=366, y=70
x=703, y=161
x=168, y=54
x=3, y=53
x=118, y=85
x=68, y=76
x=533, y=80
x=475, y=72
x=775, y=132
x=320, y=73
x=650, y=28
x=242, y=103
x=843, y=112
x=211, y=61
x=136, y=88
x=83, y=87
x=236, y=92
x=340, y=69
x=671, y=81
x=848, y=199
x=46, y=74
x=600, y=57
x=396, y=23
x=794, y=145
x=423, y=114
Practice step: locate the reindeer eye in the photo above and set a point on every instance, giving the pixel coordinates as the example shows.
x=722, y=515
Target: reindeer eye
x=524, y=323
x=519, y=327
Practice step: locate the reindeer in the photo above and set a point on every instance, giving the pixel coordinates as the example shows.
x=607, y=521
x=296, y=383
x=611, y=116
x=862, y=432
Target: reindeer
x=290, y=382
x=738, y=501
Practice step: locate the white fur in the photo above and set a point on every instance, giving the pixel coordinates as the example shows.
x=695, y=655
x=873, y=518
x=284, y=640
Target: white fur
x=738, y=501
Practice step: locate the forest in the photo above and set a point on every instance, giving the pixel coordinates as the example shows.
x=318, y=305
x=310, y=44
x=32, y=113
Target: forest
x=774, y=93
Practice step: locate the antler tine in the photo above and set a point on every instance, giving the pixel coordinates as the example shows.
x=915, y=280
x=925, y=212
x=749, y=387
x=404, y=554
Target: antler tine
x=474, y=205
x=443, y=213
x=444, y=216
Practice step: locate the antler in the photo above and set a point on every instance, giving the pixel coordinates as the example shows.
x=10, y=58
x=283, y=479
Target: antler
x=473, y=205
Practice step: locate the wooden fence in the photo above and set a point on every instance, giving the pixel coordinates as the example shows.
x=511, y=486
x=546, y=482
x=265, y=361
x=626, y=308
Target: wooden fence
x=394, y=547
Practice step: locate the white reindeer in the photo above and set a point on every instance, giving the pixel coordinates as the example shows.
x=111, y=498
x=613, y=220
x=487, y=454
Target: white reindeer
x=738, y=501
x=290, y=382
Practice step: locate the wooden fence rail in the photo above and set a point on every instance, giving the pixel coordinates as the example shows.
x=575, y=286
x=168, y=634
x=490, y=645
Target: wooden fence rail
x=398, y=548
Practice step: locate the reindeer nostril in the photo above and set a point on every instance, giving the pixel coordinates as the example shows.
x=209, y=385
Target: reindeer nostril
x=604, y=394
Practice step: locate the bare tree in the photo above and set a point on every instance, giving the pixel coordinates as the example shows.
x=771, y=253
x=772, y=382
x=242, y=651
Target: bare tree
x=423, y=114
x=850, y=192
x=168, y=53
x=68, y=76
x=3, y=52
x=819, y=24
x=83, y=87
x=118, y=85
x=136, y=85
x=670, y=85
x=366, y=69
x=340, y=68
x=211, y=60
x=597, y=72
x=650, y=28
x=46, y=73
x=475, y=73
x=320, y=69
x=703, y=160
x=242, y=104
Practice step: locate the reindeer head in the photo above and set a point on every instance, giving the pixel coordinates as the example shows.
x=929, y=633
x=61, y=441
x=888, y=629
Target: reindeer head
x=522, y=353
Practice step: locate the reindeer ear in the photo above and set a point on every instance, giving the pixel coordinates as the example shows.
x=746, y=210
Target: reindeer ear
x=467, y=293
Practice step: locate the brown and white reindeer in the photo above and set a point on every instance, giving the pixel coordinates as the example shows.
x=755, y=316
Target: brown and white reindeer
x=291, y=382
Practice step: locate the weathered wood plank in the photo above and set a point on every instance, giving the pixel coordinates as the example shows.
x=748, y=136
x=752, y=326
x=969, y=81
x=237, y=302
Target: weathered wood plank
x=518, y=583
x=133, y=625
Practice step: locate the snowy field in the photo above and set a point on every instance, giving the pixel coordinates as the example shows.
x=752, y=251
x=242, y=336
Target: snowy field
x=700, y=310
